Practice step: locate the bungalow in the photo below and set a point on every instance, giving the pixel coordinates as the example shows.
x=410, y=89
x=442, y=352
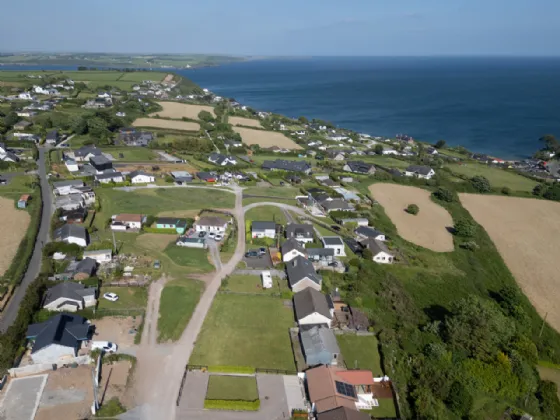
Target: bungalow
x=7, y=156
x=335, y=155
x=380, y=252
x=386, y=152
x=313, y=308
x=71, y=234
x=431, y=151
x=26, y=113
x=222, y=160
x=423, y=172
x=181, y=176
x=179, y=225
x=300, y=232
x=287, y=165
x=335, y=243
x=140, y=177
x=101, y=163
x=108, y=177
x=360, y=221
x=331, y=387
x=73, y=216
x=52, y=137
x=319, y=346
x=22, y=125
x=365, y=232
x=98, y=103
x=207, y=176
x=263, y=230
x=292, y=249
x=101, y=255
x=58, y=338
x=233, y=143
x=302, y=275
x=71, y=165
x=359, y=167
x=69, y=202
x=211, y=224
x=84, y=153
x=67, y=187
x=320, y=255
x=69, y=297
x=136, y=138
x=336, y=204
x=26, y=96
x=23, y=201
x=125, y=221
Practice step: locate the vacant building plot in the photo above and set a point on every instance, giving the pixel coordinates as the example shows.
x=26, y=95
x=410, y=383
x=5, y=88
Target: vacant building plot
x=266, y=138
x=428, y=228
x=177, y=110
x=246, y=330
x=166, y=124
x=14, y=225
x=21, y=399
x=249, y=122
x=527, y=234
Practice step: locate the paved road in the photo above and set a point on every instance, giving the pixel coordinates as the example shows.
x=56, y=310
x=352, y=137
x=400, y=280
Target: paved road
x=10, y=313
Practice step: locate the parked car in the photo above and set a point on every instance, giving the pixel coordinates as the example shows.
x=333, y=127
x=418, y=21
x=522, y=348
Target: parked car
x=211, y=234
x=202, y=234
x=251, y=254
x=262, y=251
x=157, y=264
x=219, y=237
x=113, y=297
x=104, y=346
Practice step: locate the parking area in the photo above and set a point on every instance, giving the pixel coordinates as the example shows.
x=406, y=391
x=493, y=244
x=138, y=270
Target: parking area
x=119, y=330
x=258, y=262
x=21, y=398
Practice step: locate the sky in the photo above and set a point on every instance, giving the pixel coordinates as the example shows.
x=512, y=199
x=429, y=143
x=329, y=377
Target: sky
x=284, y=28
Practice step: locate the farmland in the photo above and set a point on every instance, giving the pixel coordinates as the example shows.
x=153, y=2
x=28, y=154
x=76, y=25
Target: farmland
x=246, y=330
x=526, y=233
x=498, y=177
x=166, y=124
x=266, y=138
x=249, y=122
x=428, y=228
x=177, y=110
x=14, y=224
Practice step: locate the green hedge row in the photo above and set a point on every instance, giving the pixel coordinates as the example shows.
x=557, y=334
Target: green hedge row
x=238, y=405
x=156, y=230
x=231, y=369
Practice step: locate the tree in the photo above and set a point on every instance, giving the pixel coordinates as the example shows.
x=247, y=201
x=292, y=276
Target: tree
x=440, y=144
x=378, y=149
x=367, y=254
x=205, y=116
x=11, y=119
x=412, y=209
x=97, y=127
x=303, y=120
x=481, y=184
x=539, y=190
x=551, y=144
x=459, y=400
x=465, y=227
x=506, y=190
x=444, y=194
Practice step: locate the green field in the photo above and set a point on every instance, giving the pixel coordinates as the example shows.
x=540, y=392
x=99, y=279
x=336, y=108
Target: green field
x=497, y=177
x=178, y=301
x=253, y=284
x=243, y=330
x=130, y=154
x=386, y=161
x=265, y=214
x=222, y=387
x=17, y=186
x=386, y=409
x=360, y=352
x=129, y=298
x=196, y=260
x=282, y=192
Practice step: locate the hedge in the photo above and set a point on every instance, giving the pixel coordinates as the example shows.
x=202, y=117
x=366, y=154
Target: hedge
x=156, y=230
x=235, y=405
x=231, y=369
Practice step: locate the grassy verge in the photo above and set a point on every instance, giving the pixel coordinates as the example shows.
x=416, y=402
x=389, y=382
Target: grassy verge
x=196, y=260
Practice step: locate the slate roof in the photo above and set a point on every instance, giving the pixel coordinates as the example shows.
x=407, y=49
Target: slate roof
x=422, y=170
x=87, y=266
x=63, y=329
x=52, y=135
x=287, y=165
x=211, y=221
x=309, y=301
x=360, y=167
x=368, y=232
x=299, y=268
x=168, y=221
x=336, y=204
x=68, y=290
x=263, y=226
x=67, y=231
x=332, y=240
x=68, y=183
x=99, y=160
x=317, y=340
x=207, y=175
x=343, y=413
x=376, y=246
x=320, y=252
x=294, y=230
x=109, y=175
x=86, y=150
x=290, y=245
x=136, y=173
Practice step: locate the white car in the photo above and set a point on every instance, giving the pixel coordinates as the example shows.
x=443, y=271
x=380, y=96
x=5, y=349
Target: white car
x=211, y=234
x=104, y=346
x=113, y=297
x=218, y=237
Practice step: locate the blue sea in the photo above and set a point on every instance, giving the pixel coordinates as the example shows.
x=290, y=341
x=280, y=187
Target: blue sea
x=499, y=106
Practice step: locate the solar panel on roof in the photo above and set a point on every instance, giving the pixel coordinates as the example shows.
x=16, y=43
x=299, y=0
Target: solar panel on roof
x=345, y=389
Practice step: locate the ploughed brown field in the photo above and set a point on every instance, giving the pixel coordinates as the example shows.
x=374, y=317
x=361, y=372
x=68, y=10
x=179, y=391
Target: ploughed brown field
x=266, y=138
x=177, y=110
x=13, y=225
x=527, y=234
x=428, y=228
x=169, y=124
x=249, y=122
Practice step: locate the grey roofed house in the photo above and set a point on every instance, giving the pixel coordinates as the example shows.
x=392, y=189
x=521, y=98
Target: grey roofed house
x=136, y=173
x=336, y=204
x=263, y=226
x=109, y=175
x=52, y=135
x=368, y=232
x=375, y=246
x=319, y=346
x=328, y=182
x=68, y=183
x=300, y=268
x=309, y=301
x=395, y=172
x=290, y=245
x=11, y=156
x=417, y=169
x=287, y=165
x=86, y=150
x=211, y=221
x=68, y=202
x=99, y=160
x=332, y=240
x=343, y=413
x=359, y=167
x=318, y=253
x=182, y=176
x=219, y=159
x=136, y=138
x=86, y=266
x=68, y=290
x=67, y=231
x=63, y=329
x=303, y=231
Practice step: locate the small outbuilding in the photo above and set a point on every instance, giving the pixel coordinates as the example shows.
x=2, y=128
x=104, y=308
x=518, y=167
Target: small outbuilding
x=23, y=201
x=266, y=279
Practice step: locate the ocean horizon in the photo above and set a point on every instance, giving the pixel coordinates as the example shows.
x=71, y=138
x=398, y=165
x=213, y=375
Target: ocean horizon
x=495, y=105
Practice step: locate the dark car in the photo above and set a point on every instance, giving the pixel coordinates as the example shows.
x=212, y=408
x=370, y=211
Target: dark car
x=251, y=254
x=202, y=234
x=262, y=251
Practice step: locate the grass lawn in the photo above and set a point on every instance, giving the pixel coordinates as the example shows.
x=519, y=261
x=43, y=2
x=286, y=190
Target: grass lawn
x=130, y=154
x=265, y=214
x=497, y=177
x=386, y=409
x=253, y=284
x=178, y=301
x=17, y=186
x=196, y=260
x=385, y=161
x=129, y=298
x=232, y=388
x=362, y=349
x=282, y=192
x=244, y=330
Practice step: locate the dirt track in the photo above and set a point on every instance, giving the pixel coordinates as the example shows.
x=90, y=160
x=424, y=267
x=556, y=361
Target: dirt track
x=13, y=225
x=527, y=234
x=428, y=228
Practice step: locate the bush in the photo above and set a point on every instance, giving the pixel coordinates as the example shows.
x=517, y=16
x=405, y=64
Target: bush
x=470, y=245
x=412, y=209
x=506, y=191
x=235, y=405
x=465, y=227
x=112, y=408
x=481, y=184
x=444, y=194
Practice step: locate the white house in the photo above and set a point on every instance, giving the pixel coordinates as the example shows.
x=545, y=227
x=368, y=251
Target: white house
x=140, y=177
x=104, y=95
x=379, y=250
x=26, y=96
x=125, y=221
x=313, y=308
x=263, y=230
x=211, y=224
x=390, y=152
x=365, y=232
x=66, y=187
x=302, y=274
x=69, y=297
x=192, y=242
x=101, y=256
x=336, y=243
x=71, y=234
x=303, y=233
x=292, y=249
x=423, y=172
x=107, y=177
x=71, y=165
